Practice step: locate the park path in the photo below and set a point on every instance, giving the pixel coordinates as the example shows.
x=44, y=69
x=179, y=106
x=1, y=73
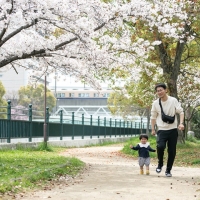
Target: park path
x=112, y=176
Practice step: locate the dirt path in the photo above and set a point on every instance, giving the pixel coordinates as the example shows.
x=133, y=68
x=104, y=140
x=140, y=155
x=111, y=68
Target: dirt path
x=109, y=176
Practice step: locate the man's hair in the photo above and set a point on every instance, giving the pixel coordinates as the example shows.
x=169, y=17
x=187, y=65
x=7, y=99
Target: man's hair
x=143, y=136
x=160, y=85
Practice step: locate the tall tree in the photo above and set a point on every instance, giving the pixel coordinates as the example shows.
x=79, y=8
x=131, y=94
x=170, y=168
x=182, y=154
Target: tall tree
x=157, y=33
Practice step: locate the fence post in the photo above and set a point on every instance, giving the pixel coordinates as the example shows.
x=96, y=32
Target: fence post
x=120, y=127
x=83, y=126
x=105, y=126
x=9, y=110
x=61, y=123
x=135, y=128
x=110, y=127
x=90, y=126
x=72, y=125
x=115, y=126
x=30, y=122
x=8, y=120
x=98, y=126
x=131, y=128
x=143, y=127
x=127, y=128
x=124, y=124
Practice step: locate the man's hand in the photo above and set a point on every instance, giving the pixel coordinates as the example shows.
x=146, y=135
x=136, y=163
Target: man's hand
x=181, y=127
x=131, y=146
x=153, y=132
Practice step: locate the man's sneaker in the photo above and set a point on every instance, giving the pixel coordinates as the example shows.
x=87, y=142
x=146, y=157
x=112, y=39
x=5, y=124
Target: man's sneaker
x=168, y=174
x=158, y=169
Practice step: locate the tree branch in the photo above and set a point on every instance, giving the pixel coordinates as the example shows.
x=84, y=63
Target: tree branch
x=66, y=42
x=14, y=68
x=4, y=29
x=38, y=53
x=17, y=31
x=103, y=24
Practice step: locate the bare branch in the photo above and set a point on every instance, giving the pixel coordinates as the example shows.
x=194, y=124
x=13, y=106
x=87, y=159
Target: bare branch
x=64, y=43
x=14, y=68
x=103, y=24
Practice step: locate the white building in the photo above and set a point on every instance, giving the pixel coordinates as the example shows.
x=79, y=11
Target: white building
x=11, y=80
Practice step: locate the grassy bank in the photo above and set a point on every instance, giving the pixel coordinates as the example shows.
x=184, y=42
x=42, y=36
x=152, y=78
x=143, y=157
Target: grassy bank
x=187, y=154
x=24, y=168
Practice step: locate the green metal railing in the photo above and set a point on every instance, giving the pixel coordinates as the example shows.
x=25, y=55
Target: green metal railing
x=66, y=126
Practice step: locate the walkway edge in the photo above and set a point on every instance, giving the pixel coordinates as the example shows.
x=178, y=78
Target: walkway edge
x=65, y=143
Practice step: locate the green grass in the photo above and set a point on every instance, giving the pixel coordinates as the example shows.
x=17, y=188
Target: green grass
x=187, y=154
x=23, y=168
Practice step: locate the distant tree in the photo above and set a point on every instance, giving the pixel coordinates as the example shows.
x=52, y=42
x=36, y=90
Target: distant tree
x=12, y=96
x=3, y=103
x=136, y=96
x=19, y=113
x=35, y=95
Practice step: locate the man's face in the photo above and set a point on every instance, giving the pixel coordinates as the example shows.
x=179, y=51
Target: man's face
x=161, y=92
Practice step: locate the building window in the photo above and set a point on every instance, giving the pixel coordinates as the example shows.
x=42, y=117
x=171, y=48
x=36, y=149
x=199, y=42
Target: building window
x=1, y=75
x=71, y=94
x=106, y=94
x=81, y=95
x=60, y=94
x=96, y=94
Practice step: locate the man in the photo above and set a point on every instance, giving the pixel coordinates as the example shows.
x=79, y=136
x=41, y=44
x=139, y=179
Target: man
x=167, y=132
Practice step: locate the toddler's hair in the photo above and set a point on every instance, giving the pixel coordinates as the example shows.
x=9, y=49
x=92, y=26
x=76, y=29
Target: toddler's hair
x=143, y=135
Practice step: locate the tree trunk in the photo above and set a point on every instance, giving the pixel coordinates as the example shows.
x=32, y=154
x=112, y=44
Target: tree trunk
x=171, y=70
x=188, y=117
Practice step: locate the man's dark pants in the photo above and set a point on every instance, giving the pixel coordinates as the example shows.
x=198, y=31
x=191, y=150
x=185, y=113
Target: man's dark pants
x=168, y=137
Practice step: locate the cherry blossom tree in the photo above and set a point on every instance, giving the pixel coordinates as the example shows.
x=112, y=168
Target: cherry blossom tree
x=161, y=34
x=27, y=38
x=189, y=92
x=98, y=37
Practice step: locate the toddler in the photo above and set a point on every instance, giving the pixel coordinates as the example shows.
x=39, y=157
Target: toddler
x=143, y=149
